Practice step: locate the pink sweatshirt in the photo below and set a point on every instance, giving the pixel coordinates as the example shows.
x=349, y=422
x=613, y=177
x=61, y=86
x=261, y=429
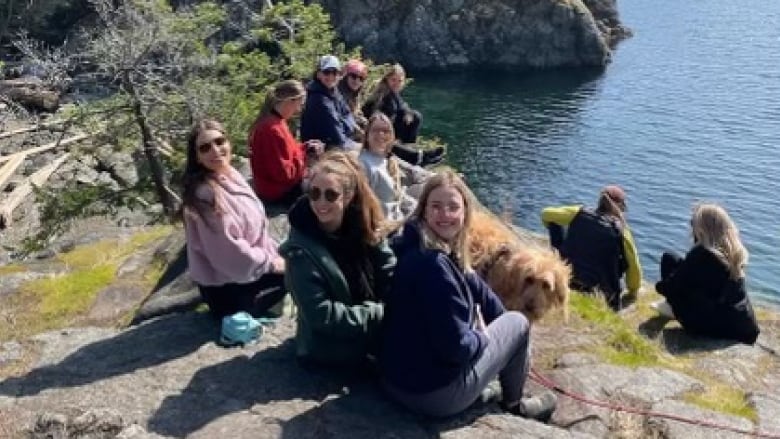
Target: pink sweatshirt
x=233, y=247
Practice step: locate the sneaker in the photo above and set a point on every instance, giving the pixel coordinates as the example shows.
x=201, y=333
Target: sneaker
x=663, y=308
x=432, y=157
x=539, y=407
x=491, y=393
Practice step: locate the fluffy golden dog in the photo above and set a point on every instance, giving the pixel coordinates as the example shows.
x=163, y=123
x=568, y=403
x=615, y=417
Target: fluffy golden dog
x=528, y=277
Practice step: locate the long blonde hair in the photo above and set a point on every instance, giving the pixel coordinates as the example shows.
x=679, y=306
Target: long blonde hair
x=458, y=248
x=713, y=229
x=392, y=162
x=382, y=89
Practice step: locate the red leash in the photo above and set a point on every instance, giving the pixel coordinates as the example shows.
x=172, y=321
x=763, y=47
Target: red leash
x=546, y=382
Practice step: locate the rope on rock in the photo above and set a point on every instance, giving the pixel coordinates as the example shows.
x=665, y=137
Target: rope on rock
x=548, y=383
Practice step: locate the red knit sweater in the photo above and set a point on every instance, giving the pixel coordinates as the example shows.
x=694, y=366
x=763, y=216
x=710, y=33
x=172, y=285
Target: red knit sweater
x=278, y=160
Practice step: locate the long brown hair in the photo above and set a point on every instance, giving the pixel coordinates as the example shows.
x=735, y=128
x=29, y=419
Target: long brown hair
x=195, y=174
x=364, y=209
x=458, y=248
x=392, y=162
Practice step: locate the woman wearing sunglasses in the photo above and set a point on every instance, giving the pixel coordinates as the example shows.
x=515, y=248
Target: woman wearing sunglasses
x=598, y=244
x=352, y=85
x=231, y=255
x=338, y=264
x=446, y=334
x=705, y=291
x=326, y=116
x=278, y=160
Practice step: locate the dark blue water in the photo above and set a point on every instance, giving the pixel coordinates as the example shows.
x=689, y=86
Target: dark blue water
x=689, y=110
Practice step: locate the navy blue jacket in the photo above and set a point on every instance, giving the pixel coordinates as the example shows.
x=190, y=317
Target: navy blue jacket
x=326, y=116
x=428, y=338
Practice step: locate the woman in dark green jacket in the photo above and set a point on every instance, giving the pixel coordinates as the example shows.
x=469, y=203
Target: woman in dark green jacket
x=338, y=263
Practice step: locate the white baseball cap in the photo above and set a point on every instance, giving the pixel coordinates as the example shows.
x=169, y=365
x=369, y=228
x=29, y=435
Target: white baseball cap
x=329, y=62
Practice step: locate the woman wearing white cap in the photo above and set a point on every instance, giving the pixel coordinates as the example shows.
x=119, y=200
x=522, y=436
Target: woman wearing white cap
x=326, y=115
x=598, y=244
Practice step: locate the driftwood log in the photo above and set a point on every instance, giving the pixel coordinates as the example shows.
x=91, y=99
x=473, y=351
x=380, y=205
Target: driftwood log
x=46, y=147
x=28, y=129
x=23, y=191
x=8, y=169
x=30, y=93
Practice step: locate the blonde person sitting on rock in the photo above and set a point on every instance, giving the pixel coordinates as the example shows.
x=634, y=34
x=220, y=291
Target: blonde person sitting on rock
x=339, y=265
x=705, y=291
x=232, y=257
x=446, y=334
x=383, y=170
x=598, y=244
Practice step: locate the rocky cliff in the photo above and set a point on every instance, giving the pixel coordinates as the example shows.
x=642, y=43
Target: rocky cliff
x=480, y=34
x=167, y=377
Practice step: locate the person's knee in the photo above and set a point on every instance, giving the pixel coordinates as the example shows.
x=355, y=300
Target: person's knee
x=668, y=257
x=517, y=321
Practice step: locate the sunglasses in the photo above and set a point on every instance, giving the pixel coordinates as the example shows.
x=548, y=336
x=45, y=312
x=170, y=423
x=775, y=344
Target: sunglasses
x=356, y=77
x=330, y=195
x=330, y=72
x=206, y=147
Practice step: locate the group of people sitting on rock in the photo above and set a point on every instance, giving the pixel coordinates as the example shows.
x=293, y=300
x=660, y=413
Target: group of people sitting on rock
x=379, y=269
x=705, y=291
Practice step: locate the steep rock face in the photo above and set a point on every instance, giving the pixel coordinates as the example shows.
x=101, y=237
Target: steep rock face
x=494, y=34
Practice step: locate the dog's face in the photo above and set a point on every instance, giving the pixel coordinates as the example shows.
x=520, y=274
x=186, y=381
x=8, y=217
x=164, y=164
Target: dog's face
x=528, y=278
x=530, y=283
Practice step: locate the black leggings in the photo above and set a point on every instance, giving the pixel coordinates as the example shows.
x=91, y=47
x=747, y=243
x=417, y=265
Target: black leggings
x=407, y=154
x=407, y=133
x=255, y=297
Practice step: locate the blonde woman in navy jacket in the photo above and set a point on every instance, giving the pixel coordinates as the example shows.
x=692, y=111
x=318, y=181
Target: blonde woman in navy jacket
x=446, y=335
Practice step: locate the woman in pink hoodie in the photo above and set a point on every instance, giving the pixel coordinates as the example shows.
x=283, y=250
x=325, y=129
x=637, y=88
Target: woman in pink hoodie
x=231, y=255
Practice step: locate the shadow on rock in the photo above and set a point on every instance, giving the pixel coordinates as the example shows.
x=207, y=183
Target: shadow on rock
x=679, y=342
x=271, y=379
x=653, y=326
x=174, y=291
x=364, y=412
x=136, y=348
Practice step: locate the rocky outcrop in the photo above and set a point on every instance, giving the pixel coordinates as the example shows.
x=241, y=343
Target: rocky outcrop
x=480, y=34
x=167, y=377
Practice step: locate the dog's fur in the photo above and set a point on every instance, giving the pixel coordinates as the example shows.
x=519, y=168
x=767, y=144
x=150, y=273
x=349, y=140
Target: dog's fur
x=528, y=276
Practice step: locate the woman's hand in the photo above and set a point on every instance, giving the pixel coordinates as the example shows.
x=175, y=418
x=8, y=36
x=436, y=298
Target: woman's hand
x=315, y=146
x=278, y=265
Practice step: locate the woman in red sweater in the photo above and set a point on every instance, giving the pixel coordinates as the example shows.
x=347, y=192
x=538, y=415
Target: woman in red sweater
x=278, y=160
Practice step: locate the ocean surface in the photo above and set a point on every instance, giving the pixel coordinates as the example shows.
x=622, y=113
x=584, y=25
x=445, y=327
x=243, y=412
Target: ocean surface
x=688, y=110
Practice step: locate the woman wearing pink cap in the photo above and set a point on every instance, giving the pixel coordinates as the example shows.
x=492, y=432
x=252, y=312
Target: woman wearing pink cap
x=351, y=86
x=598, y=244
